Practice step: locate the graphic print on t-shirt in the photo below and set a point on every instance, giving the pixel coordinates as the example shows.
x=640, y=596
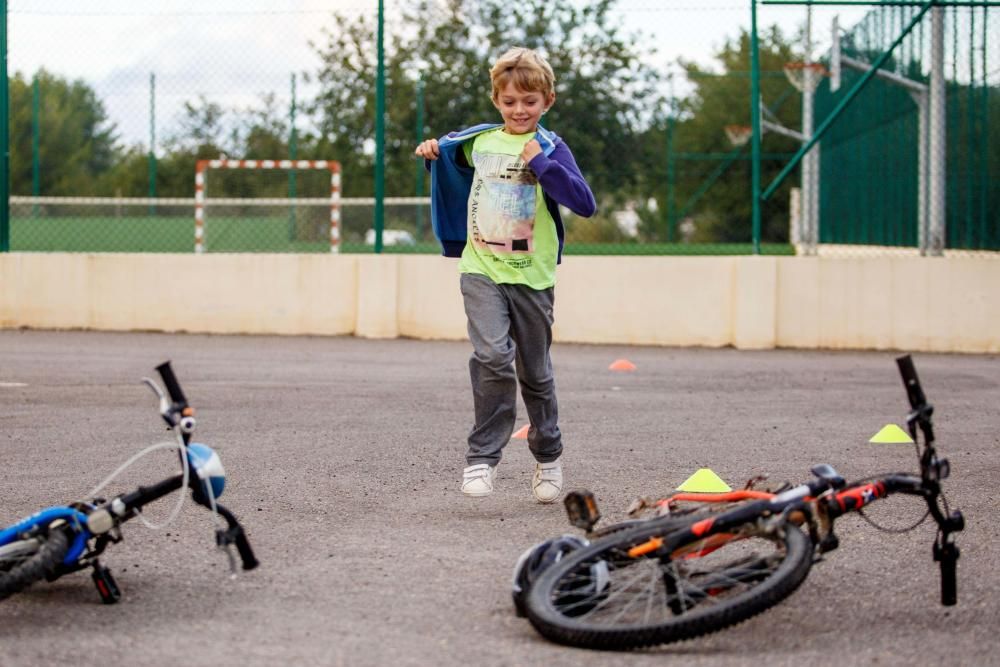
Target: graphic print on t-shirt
x=502, y=203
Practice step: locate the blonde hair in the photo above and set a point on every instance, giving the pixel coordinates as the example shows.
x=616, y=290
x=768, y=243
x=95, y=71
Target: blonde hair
x=527, y=70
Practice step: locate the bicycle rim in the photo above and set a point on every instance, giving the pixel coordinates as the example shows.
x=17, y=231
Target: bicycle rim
x=15, y=553
x=602, y=597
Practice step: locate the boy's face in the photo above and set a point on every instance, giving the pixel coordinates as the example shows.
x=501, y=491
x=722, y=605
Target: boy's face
x=521, y=109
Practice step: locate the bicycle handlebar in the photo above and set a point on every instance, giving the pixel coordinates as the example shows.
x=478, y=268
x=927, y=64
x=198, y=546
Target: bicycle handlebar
x=170, y=381
x=136, y=500
x=236, y=535
x=246, y=553
x=947, y=554
x=912, y=383
x=921, y=409
x=933, y=470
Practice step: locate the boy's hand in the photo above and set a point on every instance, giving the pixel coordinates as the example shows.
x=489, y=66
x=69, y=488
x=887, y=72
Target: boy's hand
x=530, y=150
x=428, y=149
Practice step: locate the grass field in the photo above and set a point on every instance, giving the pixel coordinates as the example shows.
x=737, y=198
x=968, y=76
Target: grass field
x=173, y=233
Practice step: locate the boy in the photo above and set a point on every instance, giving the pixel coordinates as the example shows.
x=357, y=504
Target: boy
x=496, y=191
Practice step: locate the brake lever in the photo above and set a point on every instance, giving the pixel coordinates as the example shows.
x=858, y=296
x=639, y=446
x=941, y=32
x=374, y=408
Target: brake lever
x=164, y=403
x=222, y=540
x=235, y=535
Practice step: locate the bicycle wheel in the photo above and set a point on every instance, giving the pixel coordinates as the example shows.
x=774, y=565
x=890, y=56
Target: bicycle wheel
x=24, y=562
x=604, y=598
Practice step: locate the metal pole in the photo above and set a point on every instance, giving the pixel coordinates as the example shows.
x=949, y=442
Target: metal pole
x=808, y=183
x=843, y=104
x=671, y=174
x=937, y=141
x=755, y=123
x=923, y=163
x=36, y=131
x=152, y=141
x=380, y=131
x=420, y=163
x=918, y=91
x=4, y=137
x=293, y=153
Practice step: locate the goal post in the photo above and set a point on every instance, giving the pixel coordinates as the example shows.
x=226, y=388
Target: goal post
x=202, y=167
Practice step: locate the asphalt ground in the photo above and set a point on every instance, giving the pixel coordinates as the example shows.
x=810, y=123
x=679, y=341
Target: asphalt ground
x=344, y=458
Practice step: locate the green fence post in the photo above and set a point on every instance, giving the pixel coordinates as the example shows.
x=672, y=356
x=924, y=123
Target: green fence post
x=36, y=131
x=755, y=123
x=671, y=174
x=152, y=142
x=293, y=153
x=420, y=163
x=4, y=137
x=380, y=131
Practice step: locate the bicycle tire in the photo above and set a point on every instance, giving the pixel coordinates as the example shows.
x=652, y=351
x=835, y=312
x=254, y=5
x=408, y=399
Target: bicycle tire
x=38, y=563
x=730, y=591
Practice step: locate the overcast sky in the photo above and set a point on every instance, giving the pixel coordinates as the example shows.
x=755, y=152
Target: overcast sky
x=232, y=51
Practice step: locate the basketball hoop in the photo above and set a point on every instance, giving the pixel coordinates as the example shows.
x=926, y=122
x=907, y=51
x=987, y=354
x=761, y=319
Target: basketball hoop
x=738, y=135
x=805, y=76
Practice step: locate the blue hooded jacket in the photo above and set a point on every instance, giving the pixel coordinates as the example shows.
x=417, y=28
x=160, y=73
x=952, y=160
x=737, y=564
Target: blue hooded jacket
x=451, y=183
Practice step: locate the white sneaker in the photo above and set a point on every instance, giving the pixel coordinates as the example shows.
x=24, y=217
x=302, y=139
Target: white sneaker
x=477, y=480
x=547, y=482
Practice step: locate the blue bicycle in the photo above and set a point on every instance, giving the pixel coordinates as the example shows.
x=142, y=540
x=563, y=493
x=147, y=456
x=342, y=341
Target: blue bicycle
x=63, y=539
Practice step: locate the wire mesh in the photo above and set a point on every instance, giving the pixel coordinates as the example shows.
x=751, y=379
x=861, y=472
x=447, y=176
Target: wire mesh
x=895, y=174
x=117, y=100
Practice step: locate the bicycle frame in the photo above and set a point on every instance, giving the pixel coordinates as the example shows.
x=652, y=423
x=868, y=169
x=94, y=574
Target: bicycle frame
x=816, y=504
x=75, y=517
x=100, y=521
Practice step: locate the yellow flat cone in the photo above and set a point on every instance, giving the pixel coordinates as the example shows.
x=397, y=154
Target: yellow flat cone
x=621, y=365
x=892, y=434
x=521, y=434
x=704, y=481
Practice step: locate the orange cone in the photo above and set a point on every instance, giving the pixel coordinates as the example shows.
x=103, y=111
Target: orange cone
x=622, y=365
x=521, y=434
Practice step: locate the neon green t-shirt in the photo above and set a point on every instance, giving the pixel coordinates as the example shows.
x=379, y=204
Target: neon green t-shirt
x=511, y=234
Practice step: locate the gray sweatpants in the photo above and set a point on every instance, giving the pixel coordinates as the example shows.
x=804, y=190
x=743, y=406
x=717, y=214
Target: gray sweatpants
x=510, y=327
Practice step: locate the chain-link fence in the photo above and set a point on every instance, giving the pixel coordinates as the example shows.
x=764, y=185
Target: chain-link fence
x=113, y=103
x=904, y=99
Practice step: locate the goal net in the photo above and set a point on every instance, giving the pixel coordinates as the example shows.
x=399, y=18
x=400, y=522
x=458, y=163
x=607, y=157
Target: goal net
x=267, y=206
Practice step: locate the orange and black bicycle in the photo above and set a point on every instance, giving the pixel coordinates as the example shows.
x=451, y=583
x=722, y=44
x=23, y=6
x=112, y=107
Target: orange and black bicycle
x=693, y=571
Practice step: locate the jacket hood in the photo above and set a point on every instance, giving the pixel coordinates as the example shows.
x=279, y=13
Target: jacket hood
x=547, y=139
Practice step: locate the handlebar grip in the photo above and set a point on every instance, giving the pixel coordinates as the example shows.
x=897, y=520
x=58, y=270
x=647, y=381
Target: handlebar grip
x=912, y=383
x=947, y=555
x=246, y=553
x=170, y=381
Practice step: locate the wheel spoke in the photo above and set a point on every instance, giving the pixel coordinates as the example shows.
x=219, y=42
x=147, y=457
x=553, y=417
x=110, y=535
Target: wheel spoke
x=638, y=591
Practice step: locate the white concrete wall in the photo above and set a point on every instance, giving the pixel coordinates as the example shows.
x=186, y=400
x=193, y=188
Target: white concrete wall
x=280, y=294
x=911, y=303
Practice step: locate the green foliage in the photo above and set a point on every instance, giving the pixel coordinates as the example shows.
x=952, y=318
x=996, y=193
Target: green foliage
x=604, y=92
x=666, y=159
x=79, y=144
x=712, y=177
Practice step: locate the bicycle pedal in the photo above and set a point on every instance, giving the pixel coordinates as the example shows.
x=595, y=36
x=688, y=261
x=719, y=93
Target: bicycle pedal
x=581, y=509
x=106, y=586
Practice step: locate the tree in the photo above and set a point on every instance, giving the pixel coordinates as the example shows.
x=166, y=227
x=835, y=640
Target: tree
x=77, y=144
x=605, y=92
x=712, y=183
